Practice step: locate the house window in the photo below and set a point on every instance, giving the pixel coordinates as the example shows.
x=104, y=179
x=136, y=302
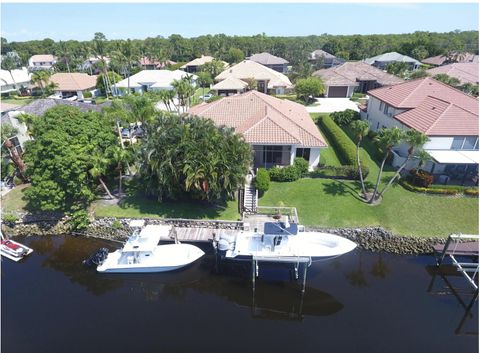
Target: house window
x=470, y=143
x=303, y=153
x=273, y=154
x=385, y=109
x=382, y=105
x=457, y=143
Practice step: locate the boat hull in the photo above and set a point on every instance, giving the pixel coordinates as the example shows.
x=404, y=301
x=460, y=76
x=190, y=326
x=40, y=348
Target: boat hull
x=163, y=258
x=15, y=255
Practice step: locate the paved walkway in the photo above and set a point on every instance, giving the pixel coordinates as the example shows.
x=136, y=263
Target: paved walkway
x=330, y=105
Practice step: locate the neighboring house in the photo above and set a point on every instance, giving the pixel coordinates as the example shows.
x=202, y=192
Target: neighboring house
x=455, y=57
x=278, y=130
x=328, y=59
x=446, y=115
x=267, y=80
x=194, y=65
x=90, y=65
x=68, y=85
x=153, y=80
x=383, y=60
x=41, y=62
x=148, y=64
x=39, y=106
x=21, y=78
x=464, y=72
x=229, y=86
x=354, y=76
x=273, y=62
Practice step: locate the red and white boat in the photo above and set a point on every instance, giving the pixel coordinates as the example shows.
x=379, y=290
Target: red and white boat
x=13, y=250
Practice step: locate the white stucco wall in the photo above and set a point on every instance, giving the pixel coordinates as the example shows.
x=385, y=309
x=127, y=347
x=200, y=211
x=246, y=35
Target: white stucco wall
x=378, y=119
x=439, y=143
x=314, y=158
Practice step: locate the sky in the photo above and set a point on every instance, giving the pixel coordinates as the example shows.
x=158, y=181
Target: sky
x=61, y=21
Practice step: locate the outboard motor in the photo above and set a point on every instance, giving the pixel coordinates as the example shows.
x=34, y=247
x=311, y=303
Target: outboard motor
x=96, y=258
x=225, y=243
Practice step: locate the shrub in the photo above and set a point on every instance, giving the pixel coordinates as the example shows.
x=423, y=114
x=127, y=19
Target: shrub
x=289, y=173
x=302, y=166
x=341, y=142
x=116, y=224
x=262, y=180
x=9, y=218
x=79, y=220
x=434, y=191
x=471, y=192
x=420, y=178
x=214, y=98
x=87, y=94
x=346, y=117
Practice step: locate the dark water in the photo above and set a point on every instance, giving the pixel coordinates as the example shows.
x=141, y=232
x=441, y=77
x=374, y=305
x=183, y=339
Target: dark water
x=360, y=302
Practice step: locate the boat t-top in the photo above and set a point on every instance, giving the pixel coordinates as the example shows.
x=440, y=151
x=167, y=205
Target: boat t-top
x=282, y=240
x=142, y=253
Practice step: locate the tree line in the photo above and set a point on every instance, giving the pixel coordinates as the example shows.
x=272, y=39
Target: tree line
x=419, y=45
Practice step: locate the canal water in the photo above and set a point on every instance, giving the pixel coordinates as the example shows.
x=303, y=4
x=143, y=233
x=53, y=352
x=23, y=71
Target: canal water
x=359, y=302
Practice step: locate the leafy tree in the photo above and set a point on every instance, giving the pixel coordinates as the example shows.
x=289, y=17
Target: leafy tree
x=386, y=140
x=398, y=69
x=306, y=88
x=360, y=129
x=345, y=117
x=251, y=83
x=127, y=55
x=235, y=55
x=67, y=145
x=166, y=97
x=420, y=53
x=42, y=78
x=185, y=156
x=415, y=140
x=122, y=157
x=100, y=50
x=470, y=88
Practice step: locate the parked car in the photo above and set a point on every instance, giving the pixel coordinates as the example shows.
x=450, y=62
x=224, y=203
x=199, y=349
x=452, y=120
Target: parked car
x=206, y=97
x=137, y=131
x=126, y=133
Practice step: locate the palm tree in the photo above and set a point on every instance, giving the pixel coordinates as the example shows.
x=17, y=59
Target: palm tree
x=184, y=90
x=386, y=139
x=9, y=63
x=7, y=132
x=423, y=157
x=122, y=157
x=360, y=129
x=100, y=50
x=127, y=55
x=99, y=164
x=41, y=77
x=64, y=54
x=414, y=139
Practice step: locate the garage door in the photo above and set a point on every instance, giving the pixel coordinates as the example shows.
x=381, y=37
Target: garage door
x=337, y=91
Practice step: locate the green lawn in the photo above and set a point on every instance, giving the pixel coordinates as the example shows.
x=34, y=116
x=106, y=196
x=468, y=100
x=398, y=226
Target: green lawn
x=136, y=206
x=23, y=101
x=332, y=203
x=13, y=201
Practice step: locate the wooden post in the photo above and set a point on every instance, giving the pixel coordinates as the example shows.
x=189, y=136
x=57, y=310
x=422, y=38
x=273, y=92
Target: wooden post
x=253, y=274
x=304, y=276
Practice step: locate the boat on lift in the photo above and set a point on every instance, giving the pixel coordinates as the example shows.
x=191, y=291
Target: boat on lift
x=283, y=242
x=142, y=253
x=13, y=250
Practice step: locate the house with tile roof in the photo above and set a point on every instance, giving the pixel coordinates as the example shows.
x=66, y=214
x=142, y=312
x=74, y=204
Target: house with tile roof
x=465, y=72
x=453, y=58
x=153, y=80
x=446, y=115
x=72, y=84
x=327, y=59
x=15, y=80
x=354, y=76
x=194, y=65
x=267, y=80
x=41, y=62
x=271, y=61
x=278, y=130
x=383, y=60
x=231, y=85
x=151, y=64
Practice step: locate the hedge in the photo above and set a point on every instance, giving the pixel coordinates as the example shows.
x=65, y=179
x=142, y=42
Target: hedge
x=345, y=148
x=289, y=173
x=440, y=189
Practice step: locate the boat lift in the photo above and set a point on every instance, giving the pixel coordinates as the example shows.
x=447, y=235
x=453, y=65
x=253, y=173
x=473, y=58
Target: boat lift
x=455, y=247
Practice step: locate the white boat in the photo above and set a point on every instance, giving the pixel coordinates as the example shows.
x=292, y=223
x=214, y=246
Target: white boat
x=13, y=250
x=283, y=241
x=141, y=253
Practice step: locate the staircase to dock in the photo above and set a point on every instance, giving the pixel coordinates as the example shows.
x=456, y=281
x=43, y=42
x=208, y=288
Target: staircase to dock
x=250, y=199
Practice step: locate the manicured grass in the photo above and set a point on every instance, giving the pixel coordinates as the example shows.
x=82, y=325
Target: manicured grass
x=328, y=155
x=333, y=203
x=137, y=206
x=23, y=101
x=13, y=201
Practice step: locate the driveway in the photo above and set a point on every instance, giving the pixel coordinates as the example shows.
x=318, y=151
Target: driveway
x=330, y=105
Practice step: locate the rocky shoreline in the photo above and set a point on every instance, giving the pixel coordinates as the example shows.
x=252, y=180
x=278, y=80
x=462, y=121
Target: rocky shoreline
x=374, y=239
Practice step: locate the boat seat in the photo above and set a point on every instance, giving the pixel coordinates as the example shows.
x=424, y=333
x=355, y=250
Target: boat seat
x=130, y=260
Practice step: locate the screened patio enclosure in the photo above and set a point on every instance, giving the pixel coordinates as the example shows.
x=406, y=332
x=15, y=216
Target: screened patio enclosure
x=268, y=156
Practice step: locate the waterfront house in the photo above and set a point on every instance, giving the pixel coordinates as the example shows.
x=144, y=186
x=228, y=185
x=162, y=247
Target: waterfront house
x=464, y=72
x=354, y=76
x=383, y=60
x=455, y=57
x=278, y=130
x=68, y=85
x=195, y=64
x=41, y=62
x=266, y=79
x=229, y=86
x=153, y=80
x=327, y=59
x=446, y=115
x=271, y=61
x=14, y=80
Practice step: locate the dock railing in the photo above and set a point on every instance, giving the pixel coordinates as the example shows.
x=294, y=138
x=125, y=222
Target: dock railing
x=291, y=212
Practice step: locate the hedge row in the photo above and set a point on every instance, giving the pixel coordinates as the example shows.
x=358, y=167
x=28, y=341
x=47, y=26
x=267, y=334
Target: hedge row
x=440, y=190
x=298, y=170
x=343, y=172
x=345, y=148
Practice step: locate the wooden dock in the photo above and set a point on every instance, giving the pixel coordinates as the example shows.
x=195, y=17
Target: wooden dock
x=198, y=235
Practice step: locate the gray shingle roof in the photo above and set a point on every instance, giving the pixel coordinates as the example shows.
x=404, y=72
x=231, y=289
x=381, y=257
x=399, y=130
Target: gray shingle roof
x=268, y=59
x=40, y=106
